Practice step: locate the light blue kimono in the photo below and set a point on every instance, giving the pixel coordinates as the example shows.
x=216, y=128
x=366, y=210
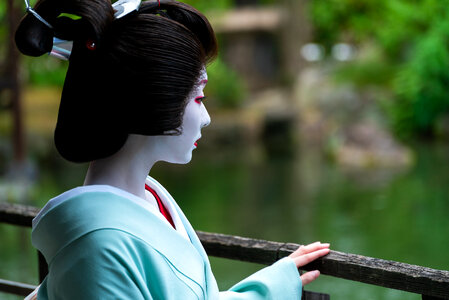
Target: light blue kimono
x=101, y=245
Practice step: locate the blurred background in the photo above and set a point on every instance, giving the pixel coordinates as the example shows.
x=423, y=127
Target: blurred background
x=330, y=122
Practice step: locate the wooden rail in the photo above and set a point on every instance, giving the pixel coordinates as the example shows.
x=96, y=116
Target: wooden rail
x=430, y=283
x=16, y=288
x=385, y=273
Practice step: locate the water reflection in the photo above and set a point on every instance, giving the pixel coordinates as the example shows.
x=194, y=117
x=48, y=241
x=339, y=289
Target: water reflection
x=398, y=215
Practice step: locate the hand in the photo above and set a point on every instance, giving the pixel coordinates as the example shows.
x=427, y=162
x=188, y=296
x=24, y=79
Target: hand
x=307, y=254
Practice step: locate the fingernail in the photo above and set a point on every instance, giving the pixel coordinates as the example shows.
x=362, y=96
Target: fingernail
x=316, y=273
x=326, y=244
x=325, y=251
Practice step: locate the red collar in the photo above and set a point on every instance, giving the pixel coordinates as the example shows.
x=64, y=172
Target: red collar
x=161, y=206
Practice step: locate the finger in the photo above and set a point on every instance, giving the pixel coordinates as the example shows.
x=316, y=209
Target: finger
x=309, y=257
x=308, y=277
x=314, y=247
x=303, y=249
x=309, y=248
x=297, y=252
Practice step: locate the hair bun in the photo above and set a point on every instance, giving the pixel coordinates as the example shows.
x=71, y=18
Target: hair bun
x=33, y=37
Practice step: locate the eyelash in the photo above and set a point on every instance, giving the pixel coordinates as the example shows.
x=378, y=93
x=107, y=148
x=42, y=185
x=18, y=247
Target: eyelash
x=200, y=99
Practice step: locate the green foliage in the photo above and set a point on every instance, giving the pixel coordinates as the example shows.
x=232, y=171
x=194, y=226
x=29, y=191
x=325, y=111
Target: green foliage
x=3, y=30
x=225, y=86
x=268, y=2
x=219, y=5
x=205, y=5
x=413, y=38
x=366, y=73
x=422, y=84
x=333, y=18
x=45, y=70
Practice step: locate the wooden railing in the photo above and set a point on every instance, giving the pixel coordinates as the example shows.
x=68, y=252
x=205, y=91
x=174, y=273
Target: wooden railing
x=430, y=283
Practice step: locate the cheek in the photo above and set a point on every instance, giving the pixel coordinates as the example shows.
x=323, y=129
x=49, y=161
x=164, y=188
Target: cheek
x=192, y=119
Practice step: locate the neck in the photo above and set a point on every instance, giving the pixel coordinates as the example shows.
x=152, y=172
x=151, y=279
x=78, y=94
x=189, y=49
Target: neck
x=127, y=169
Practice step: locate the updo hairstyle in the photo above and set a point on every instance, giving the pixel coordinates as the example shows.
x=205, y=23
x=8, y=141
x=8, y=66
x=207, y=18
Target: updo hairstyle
x=136, y=78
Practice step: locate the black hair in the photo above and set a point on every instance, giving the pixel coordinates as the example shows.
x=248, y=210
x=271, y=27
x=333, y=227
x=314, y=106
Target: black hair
x=135, y=81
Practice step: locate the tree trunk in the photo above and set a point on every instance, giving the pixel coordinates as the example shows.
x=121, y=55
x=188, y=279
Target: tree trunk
x=297, y=33
x=12, y=75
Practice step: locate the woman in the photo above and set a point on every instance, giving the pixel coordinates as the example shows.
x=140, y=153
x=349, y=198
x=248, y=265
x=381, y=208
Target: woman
x=133, y=96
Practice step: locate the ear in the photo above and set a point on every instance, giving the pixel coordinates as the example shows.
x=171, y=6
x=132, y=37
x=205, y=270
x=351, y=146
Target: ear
x=33, y=37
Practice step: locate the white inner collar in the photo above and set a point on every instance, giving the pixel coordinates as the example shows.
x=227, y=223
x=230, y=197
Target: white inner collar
x=149, y=203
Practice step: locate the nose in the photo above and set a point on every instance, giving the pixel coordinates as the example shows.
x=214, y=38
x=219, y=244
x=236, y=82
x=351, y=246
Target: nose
x=205, y=118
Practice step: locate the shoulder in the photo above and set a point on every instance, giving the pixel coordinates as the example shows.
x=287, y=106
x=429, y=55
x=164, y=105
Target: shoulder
x=108, y=248
x=93, y=266
x=114, y=263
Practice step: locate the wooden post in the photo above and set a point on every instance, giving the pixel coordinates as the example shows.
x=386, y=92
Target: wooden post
x=16, y=288
x=12, y=74
x=306, y=295
x=424, y=297
x=295, y=34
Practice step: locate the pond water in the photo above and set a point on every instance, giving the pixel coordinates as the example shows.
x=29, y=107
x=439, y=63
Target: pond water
x=400, y=215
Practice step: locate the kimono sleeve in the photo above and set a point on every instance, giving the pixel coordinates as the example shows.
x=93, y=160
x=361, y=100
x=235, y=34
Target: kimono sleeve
x=278, y=281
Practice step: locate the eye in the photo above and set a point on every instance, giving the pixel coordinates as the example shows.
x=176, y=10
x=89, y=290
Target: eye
x=199, y=99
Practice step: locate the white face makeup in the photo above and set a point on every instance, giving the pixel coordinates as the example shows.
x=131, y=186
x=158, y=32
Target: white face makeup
x=178, y=148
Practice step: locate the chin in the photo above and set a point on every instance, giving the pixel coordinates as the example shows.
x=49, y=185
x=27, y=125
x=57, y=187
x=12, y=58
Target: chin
x=180, y=160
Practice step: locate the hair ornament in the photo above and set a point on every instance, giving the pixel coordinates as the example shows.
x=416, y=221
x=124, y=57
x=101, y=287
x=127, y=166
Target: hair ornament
x=36, y=15
x=90, y=44
x=70, y=16
x=63, y=48
x=124, y=7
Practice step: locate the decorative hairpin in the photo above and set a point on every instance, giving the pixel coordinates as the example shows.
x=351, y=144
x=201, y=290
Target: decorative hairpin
x=62, y=48
x=36, y=15
x=124, y=7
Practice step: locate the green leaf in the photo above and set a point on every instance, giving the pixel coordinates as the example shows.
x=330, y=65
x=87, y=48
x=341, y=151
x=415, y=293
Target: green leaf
x=70, y=16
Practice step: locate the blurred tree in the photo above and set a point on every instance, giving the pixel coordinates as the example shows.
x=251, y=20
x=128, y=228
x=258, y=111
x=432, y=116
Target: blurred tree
x=225, y=85
x=3, y=28
x=413, y=39
x=207, y=5
x=9, y=78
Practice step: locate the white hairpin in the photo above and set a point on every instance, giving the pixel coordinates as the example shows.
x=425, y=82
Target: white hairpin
x=124, y=7
x=36, y=15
